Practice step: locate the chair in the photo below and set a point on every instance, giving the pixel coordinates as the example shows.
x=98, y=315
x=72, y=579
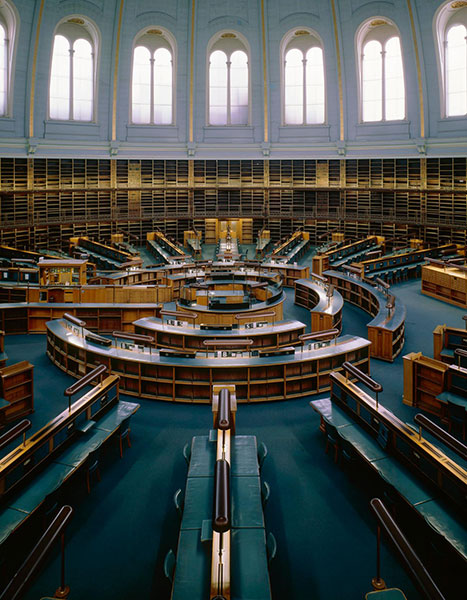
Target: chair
x=187, y=453
x=262, y=453
x=347, y=453
x=271, y=547
x=332, y=439
x=178, y=501
x=92, y=466
x=124, y=434
x=457, y=417
x=265, y=493
x=169, y=565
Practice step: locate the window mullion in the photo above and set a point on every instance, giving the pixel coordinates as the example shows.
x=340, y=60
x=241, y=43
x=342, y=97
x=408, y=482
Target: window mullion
x=383, y=84
x=71, y=107
x=151, y=94
x=304, y=122
x=229, y=122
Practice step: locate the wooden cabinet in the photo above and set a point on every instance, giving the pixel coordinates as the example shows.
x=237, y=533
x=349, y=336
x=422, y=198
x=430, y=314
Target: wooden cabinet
x=16, y=391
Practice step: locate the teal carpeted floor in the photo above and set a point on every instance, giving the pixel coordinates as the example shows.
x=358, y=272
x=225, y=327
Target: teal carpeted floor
x=319, y=513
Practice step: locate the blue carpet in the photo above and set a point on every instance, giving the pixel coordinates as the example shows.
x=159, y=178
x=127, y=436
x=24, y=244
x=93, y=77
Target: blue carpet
x=319, y=513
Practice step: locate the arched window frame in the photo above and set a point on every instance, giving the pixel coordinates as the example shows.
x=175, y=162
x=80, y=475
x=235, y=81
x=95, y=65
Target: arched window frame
x=227, y=41
x=447, y=16
x=73, y=28
x=154, y=41
x=303, y=39
x=382, y=30
x=9, y=20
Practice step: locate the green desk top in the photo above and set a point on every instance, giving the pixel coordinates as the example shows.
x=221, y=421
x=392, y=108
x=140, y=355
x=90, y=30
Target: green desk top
x=331, y=413
x=363, y=442
x=407, y=484
x=4, y=402
x=389, y=594
x=440, y=518
x=249, y=575
x=110, y=421
x=80, y=449
x=454, y=398
x=10, y=518
x=45, y=483
x=247, y=510
x=203, y=456
x=193, y=567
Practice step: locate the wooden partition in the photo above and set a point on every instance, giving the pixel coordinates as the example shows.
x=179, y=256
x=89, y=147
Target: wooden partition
x=182, y=337
x=16, y=391
x=445, y=283
x=445, y=341
x=386, y=330
x=326, y=311
x=103, y=318
x=429, y=384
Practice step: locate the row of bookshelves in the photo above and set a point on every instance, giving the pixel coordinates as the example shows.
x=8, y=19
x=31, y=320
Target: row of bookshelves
x=53, y=173
x=56, y=236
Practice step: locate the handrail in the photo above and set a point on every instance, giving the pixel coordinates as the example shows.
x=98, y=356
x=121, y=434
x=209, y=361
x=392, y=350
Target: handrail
x=318, y=277
x=351, y=269
x=264, y=315
x=177, y=314
x=224, y=410
x=407, y=553
x=14, y=432
x=449, y=440
x=22, y=578
x=74, y=320
x=382, y=283
x=85, y=380
x=319, y=335
x=373, y=385
x=435, y=261
x=221, y=506
x=228, y=343
x=136, y=337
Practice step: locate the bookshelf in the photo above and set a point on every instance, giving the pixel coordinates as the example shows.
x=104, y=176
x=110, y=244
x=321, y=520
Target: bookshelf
x=49, y=199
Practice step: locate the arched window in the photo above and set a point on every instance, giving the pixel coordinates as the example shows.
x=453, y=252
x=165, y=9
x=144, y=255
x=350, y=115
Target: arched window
x=8, y=30
x=451, y=30
x=303, y=75
x=228, y=81
x=73, y=71
x=152, y=90
x=382, y=87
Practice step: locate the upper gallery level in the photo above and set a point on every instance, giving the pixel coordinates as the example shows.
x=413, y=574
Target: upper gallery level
x=233, y=79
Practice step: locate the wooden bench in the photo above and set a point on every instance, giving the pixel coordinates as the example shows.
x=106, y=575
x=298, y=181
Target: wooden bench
x=42, y=463
x=426, y=478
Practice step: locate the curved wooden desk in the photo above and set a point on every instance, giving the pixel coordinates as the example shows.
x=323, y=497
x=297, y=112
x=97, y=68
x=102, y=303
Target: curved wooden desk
x=386, y=329
x=284, y=333
x=325, y=313
x=283, y=374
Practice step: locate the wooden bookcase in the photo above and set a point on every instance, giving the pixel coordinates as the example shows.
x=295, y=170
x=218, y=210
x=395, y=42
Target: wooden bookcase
x=16, y=391
x=192, y=379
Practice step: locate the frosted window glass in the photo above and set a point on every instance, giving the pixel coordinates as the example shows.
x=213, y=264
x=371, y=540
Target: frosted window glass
x=60, y=79
x=394, y=81
x=3, y=70
x=372, y=80
x=83, y=78
x=162, y=87
x=141, y=86
x=218, y=88
x=294, y=87
x=239, y=88
x=456, y=71
x=314, y=86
